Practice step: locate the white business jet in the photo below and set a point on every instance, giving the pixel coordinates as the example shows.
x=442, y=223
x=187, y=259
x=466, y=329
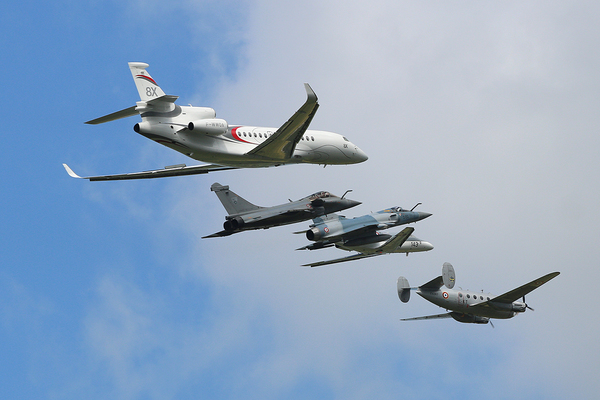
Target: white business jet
x=197, y=133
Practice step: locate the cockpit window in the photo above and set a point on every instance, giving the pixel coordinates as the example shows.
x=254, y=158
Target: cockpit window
x=345, y=139
x=320, y=195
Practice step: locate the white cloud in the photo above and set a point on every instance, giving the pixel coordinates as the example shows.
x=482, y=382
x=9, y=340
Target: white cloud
x=468, y=109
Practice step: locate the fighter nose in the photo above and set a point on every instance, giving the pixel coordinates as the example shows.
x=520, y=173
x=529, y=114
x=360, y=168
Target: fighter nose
x=423, y=215
x=352, y=203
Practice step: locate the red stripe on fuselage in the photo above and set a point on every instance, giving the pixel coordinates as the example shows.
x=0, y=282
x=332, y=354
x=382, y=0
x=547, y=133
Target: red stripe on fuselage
x=236, y=137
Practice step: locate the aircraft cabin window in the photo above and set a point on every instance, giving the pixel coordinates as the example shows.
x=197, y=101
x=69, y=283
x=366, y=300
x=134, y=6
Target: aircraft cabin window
x=460, y=295
x=312, y=138
x=468, y=297
x=488, y=299
x=481, y=297
x=254, y=134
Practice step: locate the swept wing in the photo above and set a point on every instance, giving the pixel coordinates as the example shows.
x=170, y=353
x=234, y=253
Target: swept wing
x=281, y=145
x=339, y=260
x=175, y=170
x=390, y=245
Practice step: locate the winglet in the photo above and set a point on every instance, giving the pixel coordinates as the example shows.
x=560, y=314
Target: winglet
x=70, y=172
x=312, y=96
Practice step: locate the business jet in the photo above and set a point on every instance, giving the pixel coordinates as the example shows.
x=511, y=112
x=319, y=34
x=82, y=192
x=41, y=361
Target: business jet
x=200, y=135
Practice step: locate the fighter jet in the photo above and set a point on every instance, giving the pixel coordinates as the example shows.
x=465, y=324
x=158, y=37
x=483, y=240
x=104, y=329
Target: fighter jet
x=466, y=306
x=244, y=215
x=362, y=234
x=197, y=133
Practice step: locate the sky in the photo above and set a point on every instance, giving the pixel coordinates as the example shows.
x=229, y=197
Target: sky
x=485, y=112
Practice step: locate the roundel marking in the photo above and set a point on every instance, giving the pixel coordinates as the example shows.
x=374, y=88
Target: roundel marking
x=326, y=229
x=445, y=295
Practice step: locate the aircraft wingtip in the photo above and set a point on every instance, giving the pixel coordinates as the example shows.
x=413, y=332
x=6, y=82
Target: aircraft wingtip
x=70, y=171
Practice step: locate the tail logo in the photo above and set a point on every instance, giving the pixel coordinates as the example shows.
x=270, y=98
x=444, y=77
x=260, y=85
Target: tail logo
x=147, y=78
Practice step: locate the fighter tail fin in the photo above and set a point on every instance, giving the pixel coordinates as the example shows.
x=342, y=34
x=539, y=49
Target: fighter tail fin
x=146, y=86
x=233, y=203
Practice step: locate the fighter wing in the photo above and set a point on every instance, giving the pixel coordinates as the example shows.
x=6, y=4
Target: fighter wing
x=220, y=234
x=280, y=146
x=521, y=291
x=395, y=241
x=447, y=315
x=175, y=170
x=339, y=260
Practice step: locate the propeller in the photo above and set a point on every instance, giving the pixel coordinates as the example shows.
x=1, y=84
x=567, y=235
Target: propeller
x=526, y=306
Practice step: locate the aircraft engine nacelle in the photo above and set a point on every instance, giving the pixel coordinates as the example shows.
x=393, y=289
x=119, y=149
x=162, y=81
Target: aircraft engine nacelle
x=469, y=318
x=142, y=127
x=515, y=307
x=233, y=224
x=212, y=126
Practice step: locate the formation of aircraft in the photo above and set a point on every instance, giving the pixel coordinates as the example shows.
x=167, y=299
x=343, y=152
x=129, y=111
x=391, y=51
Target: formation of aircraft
x=467, y=306
x=244, y=215
x=197, y=133
x=362, y=234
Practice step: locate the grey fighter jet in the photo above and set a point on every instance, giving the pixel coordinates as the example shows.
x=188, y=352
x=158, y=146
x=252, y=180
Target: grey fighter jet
x=244, y=215
x=362, y=234
x=466, y=306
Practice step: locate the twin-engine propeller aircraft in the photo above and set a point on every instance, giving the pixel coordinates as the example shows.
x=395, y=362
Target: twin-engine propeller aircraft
x=244, y=215
x=362, y=234
x=467, y=306
x=197, y=133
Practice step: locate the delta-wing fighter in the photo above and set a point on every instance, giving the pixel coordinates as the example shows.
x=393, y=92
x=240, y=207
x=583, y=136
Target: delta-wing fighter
x=362, y=234
x=200, y=135
x=244, y=215
x=468, y=306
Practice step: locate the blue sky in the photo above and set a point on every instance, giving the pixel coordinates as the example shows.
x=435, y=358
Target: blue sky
x=485, y=113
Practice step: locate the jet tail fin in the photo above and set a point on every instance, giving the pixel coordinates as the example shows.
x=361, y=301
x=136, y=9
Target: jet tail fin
x=233, y=203
x=146, y=86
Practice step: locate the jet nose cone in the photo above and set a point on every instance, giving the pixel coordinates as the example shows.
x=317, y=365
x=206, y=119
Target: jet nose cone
x=423, y=215
x=352, y=203
x=360, y=155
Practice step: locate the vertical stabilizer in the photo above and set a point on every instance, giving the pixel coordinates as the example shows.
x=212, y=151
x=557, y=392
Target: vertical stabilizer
x=146, y=86
x=233, y=203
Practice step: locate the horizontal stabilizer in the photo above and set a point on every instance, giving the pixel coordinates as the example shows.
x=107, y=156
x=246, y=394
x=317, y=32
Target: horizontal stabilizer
x=434, y=284
x=179, y=170
x=128, y=112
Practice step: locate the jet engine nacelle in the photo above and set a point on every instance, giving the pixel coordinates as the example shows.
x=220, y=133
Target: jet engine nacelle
x=233, y=224
x=316, y=234
x=212, y=126
x=142, y=127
